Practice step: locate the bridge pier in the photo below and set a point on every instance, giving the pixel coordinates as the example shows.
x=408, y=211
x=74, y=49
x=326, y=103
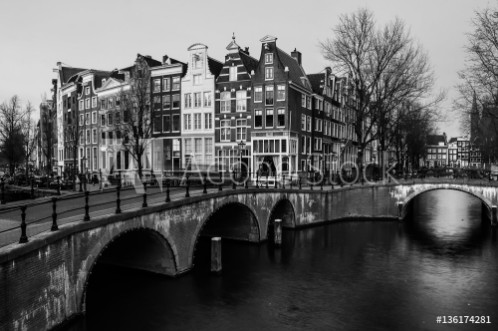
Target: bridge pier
x=278, y=232
x=400, y=210
x=216, y=254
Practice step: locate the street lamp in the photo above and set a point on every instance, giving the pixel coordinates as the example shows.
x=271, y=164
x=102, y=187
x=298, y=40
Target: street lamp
x=241, y=145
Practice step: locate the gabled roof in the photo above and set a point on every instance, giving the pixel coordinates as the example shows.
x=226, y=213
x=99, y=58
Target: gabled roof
x=296, y=72
x=215, y=66
x=452, y=140
x=316, y=82
x=249, y=62
x=67, y=72
x=150, y=61
x=435, y=139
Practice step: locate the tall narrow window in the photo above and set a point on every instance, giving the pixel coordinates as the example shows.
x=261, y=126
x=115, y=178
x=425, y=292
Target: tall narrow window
x=166, y=84
x=187, y=124
x=197, y=79
x=269, y=118
x=269, y=73
x=166, y=123
x=258, y=118
x=208, y=121
x=176, y=123
x=281, y=117
x=166, y=102
x=225, y=102
x=188, y=100
x=207, y=99
x=225, y=130
x=268, y=58
x=197, y=99
x=280, y=92
x=258, y=94
x=241, y=126
x=197, y=121
x=157, y=85
x=157, y=102
x=269, y=95
x=176, y=101
x=176, y=83
x=241, y=100
x=197, y=61
x=233, y=73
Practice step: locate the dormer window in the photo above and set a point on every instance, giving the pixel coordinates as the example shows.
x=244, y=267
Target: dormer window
x=268, y=58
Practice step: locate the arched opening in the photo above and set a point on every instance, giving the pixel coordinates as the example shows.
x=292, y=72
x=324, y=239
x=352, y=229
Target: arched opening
x=283, y=210
x=232, y=222
x=451, y=220
x=121, y=274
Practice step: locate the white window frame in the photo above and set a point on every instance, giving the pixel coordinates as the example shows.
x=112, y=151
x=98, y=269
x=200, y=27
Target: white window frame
x=280, y=89
x=269, y=58
x=269, y=73
x=258, y=91
x=241, y=97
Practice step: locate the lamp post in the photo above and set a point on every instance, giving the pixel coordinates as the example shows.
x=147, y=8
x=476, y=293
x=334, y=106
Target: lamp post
x=241, y=145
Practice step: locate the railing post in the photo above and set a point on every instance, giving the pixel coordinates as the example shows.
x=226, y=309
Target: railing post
x=321, y=183
x=58, y=185
x=283, y=182
x=54, y=215
x=290, y=177
x=257, y=179
x=234, y=186
x=24, y=237
x=167, y=190
x=118, y=200
x=299, y=182
x=276, y=186
x=267, y=180
x=3, y=192
x=87, y=208
x=144, y=203
x=204, y=191
x=187, y=193
x=221, y=184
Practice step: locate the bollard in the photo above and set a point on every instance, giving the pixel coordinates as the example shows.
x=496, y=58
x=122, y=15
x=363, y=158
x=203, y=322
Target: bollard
x=87, y=214
x=204, y=191
x=144, y=203
x=58, y=185
x=24, y=237
x=187, y=193
x=54, y=215
x=118, y=200
x=216, y=254
x=400, y=210
x=167, y=191
x=3, y=192
x=277, y=226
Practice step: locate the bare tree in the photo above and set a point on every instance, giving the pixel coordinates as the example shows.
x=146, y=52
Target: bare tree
x=384, y=68
x=11, y=135
x=29, y=133
x=478, y=87
x=135, y=128
x=47, y=133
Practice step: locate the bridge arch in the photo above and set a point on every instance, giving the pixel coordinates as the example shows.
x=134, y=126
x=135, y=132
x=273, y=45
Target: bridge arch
x=230, y=220
x=140, y=248
x=407, y=202
x=283, y=209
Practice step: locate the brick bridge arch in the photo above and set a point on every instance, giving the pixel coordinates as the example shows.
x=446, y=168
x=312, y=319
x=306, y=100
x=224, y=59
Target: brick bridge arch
x=141, y=247
x=411, y=192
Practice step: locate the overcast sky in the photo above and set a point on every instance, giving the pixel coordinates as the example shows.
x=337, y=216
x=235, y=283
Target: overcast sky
x=107, y=34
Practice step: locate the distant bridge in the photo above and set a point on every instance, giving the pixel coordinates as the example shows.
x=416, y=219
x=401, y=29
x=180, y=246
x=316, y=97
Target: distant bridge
x=43, y=281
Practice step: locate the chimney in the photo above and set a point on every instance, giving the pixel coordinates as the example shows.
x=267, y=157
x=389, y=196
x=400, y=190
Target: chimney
x=59, y=64
x=247, y=50
x=165, y=58
x=297, y=56
x=148, y=56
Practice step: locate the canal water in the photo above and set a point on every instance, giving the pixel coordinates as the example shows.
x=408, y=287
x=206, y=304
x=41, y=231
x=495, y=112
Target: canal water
x=363, y=275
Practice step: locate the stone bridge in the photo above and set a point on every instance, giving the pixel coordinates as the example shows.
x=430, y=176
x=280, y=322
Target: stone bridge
x=43, y=282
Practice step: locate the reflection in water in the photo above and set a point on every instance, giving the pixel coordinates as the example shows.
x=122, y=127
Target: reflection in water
x=343, y=276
